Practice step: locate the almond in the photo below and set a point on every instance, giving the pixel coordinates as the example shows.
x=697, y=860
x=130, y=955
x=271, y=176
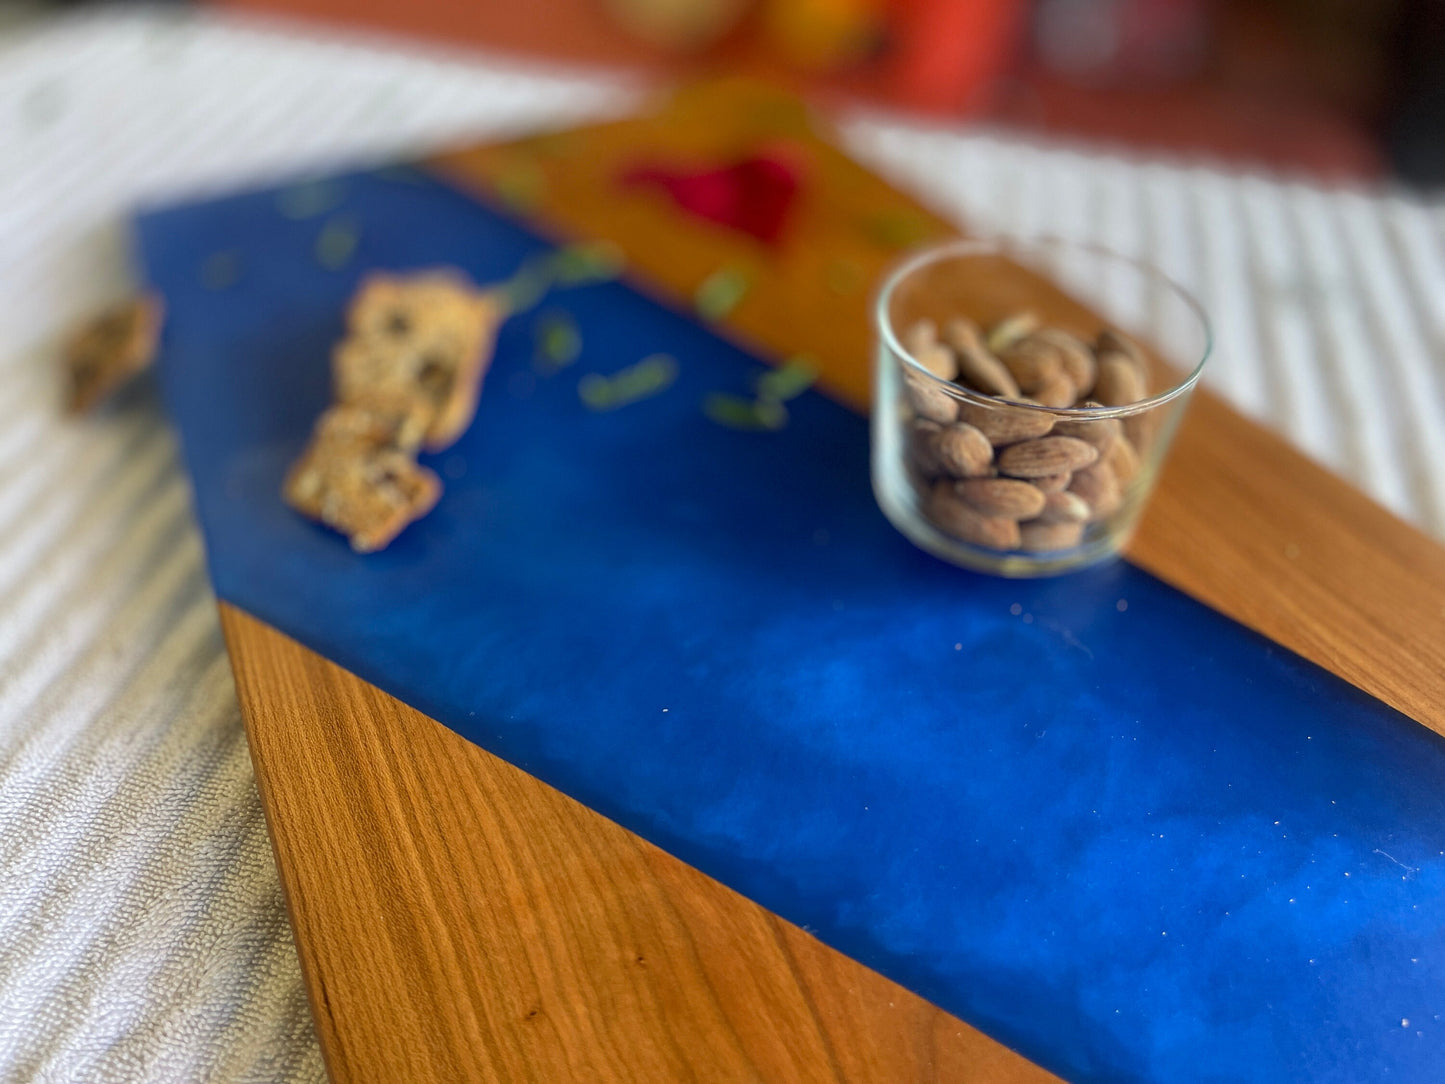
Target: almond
x=977, y=367
x=919, y=337
x=1005, y=497
x=923, y=447
x=1038, y=537
x=1045, y=456
x=938, y=360
x=1052, y=483
x=955, y=517
x=929, y=400
x=987, y=374
x=1098, y=486
x=1113, y=341
x=961, y=333
x=1032, y=363
x=1005, y=425
x=1057, y=391
x=1101, y=433
x=1119, y=382
x=1063, y=508
x=1010, y=330
x=963, y=451
x=1074, y=355
x=1123, y=460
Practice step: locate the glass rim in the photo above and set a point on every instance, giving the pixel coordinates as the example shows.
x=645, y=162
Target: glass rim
x=1001, y=245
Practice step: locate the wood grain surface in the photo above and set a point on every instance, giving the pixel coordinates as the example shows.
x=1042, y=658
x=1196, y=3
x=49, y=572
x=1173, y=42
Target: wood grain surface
x=459, y=920
x=1249, y=526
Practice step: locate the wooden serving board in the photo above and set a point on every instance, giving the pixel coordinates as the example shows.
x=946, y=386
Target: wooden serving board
x=457, y=919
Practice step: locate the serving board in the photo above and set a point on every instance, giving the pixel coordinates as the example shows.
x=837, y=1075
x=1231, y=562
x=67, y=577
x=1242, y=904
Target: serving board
x=456, y=917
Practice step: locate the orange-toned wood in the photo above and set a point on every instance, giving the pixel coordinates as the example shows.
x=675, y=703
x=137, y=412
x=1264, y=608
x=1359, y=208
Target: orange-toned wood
x=459, y=920
x=1249, y=526
x=809, y=293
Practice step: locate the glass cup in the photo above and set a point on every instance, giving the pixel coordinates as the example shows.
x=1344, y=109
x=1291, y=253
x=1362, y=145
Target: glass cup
x=1025, y=394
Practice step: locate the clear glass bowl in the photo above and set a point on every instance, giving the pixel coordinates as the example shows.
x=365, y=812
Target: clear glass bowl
x=1045, y=467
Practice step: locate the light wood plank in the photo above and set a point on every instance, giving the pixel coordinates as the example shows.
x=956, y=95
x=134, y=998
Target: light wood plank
x=459, y=920
x=1249, y=526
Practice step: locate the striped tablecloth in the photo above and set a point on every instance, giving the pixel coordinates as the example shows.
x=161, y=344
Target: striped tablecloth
x=142, y=934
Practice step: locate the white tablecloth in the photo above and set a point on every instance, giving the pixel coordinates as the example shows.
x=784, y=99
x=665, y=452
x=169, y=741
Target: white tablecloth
x=142, y=934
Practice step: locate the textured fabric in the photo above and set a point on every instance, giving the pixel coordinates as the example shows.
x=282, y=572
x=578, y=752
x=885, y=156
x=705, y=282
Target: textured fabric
x=141, y=930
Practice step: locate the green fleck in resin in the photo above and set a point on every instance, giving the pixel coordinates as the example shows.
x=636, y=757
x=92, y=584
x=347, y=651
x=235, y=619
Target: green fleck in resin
x=789, y=380
x=736, y=412
x=221, y=270
x=559, y=343
x=592, y=261
x=520, y=184
x=528, y=285
x=572, y=265
x=309, y=199
x=721, y=292
x=897, y=228
x=647, y=378
x=337, y=241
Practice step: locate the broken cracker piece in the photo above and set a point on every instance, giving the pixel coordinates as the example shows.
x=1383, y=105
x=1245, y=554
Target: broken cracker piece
x=377, y=421
x=109, y=350
x=357, y=477
x=427, y=337
x=402, y=307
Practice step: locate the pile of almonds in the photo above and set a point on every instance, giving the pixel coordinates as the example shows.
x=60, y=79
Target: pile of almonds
x=1018, y=479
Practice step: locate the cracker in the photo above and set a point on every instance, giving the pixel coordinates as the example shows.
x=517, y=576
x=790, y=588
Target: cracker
x=358, y=475
x=377, y=421
x=111, y=349
x=398, y=306
x=427, y=336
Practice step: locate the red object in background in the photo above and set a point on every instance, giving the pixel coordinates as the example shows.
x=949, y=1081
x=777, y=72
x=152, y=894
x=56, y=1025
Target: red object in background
x=752, y=196
x=949, y=54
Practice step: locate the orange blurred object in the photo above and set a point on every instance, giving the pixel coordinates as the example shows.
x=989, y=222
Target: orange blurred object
x=936, y=55
x=823, y=35
x=677, y=26
x=950, y=53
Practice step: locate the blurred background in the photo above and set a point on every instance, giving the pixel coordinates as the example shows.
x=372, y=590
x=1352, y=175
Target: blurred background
x=1330, y=89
